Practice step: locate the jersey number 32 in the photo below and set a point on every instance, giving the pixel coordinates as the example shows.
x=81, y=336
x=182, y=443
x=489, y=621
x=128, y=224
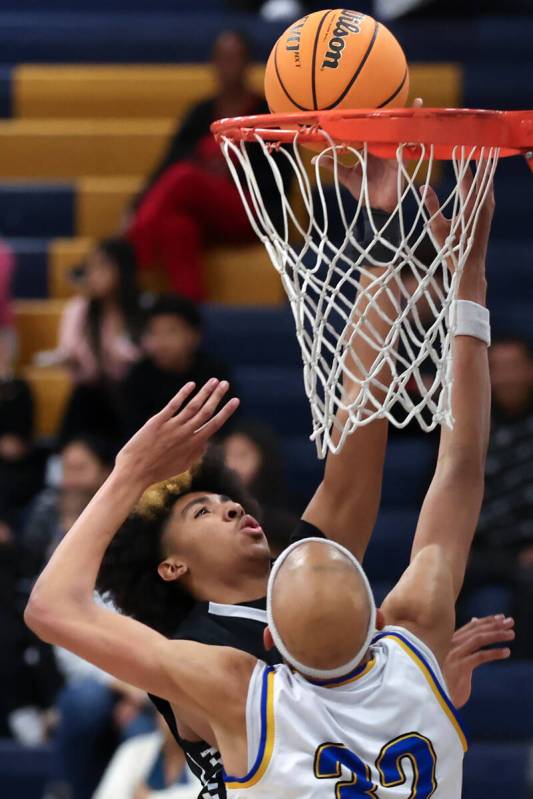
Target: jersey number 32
x=418, y=750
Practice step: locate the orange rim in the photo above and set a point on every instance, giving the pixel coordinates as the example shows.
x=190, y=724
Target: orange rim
x=444, y=128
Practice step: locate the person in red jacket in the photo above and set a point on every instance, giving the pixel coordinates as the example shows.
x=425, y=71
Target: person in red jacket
x=190, y=200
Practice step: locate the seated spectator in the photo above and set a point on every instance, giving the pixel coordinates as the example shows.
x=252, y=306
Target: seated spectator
x=148, y=767
x=97, y=338
x=85, y=463
x=191, y=200
x=500, y=574
x=253, y=451
x=171, y=341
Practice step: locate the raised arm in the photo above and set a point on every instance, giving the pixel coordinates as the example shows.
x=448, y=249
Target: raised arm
x=424, y=599
x=61, y=609
x=346, y=503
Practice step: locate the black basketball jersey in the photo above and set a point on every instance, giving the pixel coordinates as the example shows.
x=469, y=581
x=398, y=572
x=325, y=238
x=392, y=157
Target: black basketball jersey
x=240, y=626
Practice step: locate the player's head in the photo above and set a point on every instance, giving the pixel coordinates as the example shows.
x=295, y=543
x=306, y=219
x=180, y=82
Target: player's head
x=231, y=59
x=321, y=611
x=189, y=539
x=172, y=332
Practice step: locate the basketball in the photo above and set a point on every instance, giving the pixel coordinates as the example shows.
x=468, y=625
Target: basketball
x=336, y=59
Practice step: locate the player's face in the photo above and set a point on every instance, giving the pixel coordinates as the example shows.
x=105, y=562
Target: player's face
x=208, y=537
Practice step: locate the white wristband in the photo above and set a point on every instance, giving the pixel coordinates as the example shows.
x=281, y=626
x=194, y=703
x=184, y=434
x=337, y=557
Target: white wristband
x=472, y=319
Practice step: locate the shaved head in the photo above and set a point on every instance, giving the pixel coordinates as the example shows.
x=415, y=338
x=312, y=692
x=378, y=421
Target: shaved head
x=320, y=606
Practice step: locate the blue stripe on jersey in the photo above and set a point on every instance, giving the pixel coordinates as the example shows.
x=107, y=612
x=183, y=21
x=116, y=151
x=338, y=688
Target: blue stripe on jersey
x=264, y=729
x=452, y=710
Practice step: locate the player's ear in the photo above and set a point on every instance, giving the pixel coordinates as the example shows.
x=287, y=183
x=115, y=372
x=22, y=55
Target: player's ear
x=380, y=619
x=268, y=641
x=172, y=569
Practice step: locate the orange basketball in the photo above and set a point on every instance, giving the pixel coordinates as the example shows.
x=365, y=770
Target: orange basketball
x=336, y=59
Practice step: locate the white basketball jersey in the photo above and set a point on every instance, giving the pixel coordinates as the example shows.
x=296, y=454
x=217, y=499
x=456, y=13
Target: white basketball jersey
x=388, y=730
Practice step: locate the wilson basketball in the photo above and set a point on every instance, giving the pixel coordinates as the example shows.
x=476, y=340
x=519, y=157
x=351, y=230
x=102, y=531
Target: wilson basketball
x=336, y=59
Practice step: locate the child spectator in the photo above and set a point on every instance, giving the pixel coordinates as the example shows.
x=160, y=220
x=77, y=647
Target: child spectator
x=171, y=341
x=97, y=338
x=85, y=463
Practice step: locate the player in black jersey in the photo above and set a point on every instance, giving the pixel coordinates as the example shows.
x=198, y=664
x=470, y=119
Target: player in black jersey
x=189, y=559
x=206, y=522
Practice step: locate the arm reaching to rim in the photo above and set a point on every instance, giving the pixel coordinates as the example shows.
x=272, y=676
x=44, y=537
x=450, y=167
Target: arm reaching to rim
x=424, y=599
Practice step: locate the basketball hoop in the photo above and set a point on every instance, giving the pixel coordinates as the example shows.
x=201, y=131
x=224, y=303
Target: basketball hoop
x=326, y=265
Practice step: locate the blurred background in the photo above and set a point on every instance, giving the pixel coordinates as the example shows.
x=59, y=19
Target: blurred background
x=120, y=279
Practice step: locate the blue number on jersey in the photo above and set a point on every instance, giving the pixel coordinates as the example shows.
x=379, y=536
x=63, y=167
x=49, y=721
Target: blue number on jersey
x=328, y=761
x=420, y=752
x=330, y=757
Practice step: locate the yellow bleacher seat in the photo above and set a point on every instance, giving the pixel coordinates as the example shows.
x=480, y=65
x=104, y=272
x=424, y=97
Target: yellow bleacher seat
x=97, y=91
x=234, y=275
x=101, y=203
x=51, y=389
x=242, y=276
x=91, y=91
x=37, y=325
x=75, y=148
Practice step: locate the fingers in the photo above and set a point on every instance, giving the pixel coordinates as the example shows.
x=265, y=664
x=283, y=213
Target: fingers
x=431, y=201
x=484, y=635
x=209, y=406
x=487, y=656
x=219, y=420
x=176, y=402
x=328, y=162
x=194, y=406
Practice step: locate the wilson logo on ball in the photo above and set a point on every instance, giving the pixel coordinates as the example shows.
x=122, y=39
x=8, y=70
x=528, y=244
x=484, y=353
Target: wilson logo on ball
x=349, y=22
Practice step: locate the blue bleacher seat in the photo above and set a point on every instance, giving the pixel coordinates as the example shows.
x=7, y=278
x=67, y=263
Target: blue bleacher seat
x=408, y=469
x=30, y=280
x=115, y=38
x=5, y=92
x=39, y=210
x=388, y=552
x=501, y=706
x=276, y=396
x=496, y=770
x=249, y=336
x=303, y=468
x=24, y=770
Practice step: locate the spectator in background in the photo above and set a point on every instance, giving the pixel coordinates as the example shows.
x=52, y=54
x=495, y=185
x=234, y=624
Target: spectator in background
x=86, y=461
x=500, y=574
x=191, y=200
x=253, y=451
x=21, y=465
x=171, y=341
x=97, y=339
x=148, y=766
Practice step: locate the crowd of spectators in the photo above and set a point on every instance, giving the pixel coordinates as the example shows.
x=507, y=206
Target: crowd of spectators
x=127, y=354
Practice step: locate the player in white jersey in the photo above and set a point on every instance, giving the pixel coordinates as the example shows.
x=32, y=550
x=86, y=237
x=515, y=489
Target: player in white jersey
x=325, y=627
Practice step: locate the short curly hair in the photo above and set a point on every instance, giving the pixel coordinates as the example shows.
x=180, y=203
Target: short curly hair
x=128, y=575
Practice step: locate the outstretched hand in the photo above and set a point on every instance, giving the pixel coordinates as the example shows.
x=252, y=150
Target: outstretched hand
x=467, y=652
x=176, y=437
x=441, y=226
x=381, y=177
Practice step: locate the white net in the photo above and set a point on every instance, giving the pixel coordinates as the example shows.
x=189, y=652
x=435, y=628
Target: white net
x=373, y=311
